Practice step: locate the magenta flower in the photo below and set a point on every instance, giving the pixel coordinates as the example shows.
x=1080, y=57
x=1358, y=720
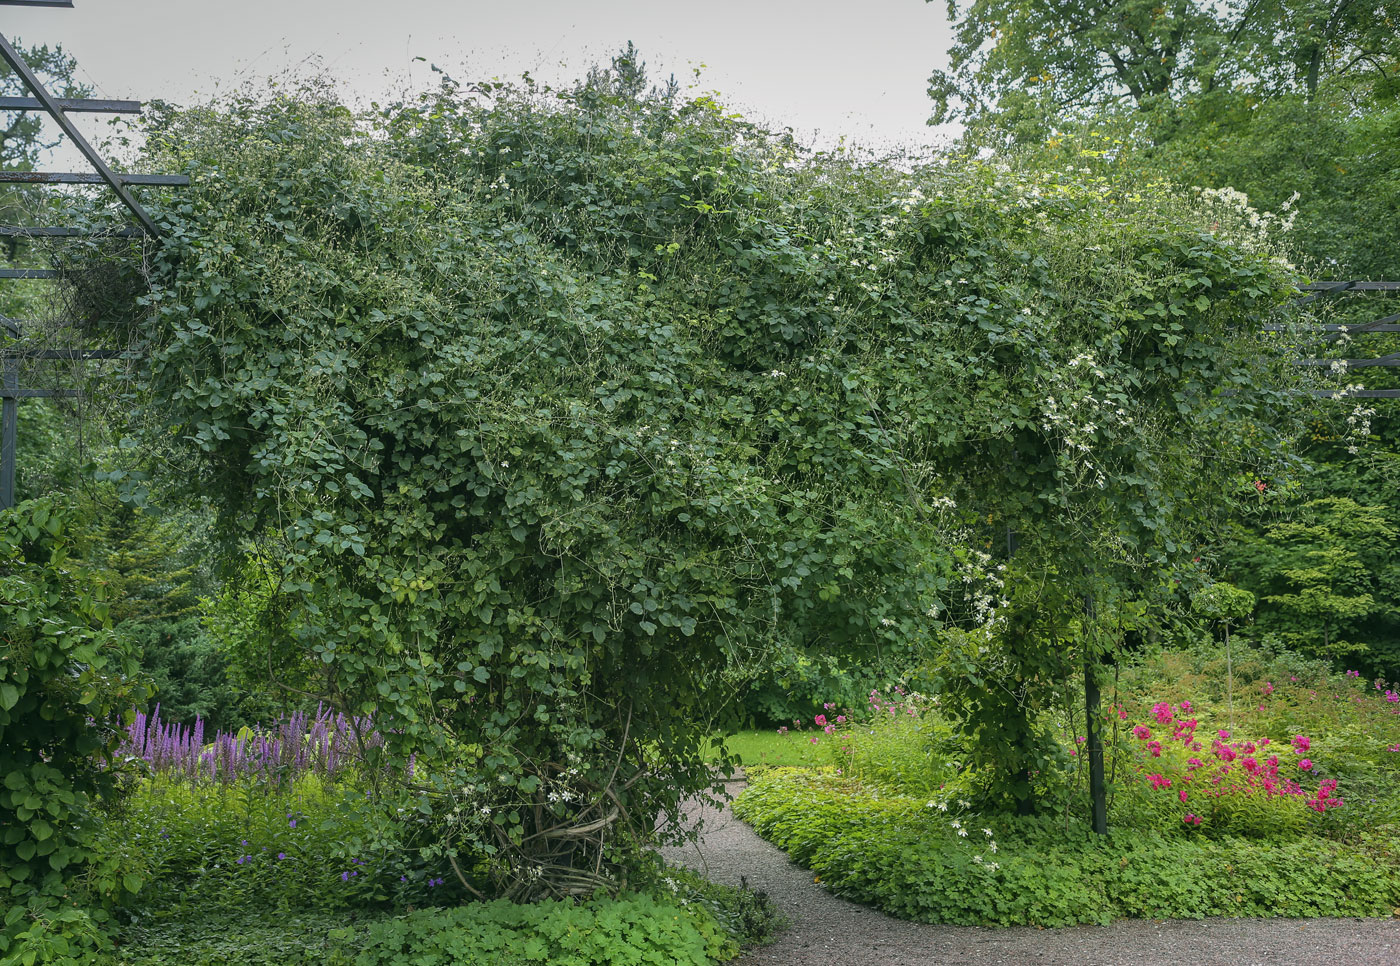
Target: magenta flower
x=1301, y=743
x=1191, y=819
x=1305, y=764
x=1142, y=732
x=1159, y=781
x=820, y=720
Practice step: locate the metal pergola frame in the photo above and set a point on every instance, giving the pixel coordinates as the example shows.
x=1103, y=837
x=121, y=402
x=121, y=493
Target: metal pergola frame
x=1335, y=333
x=12, y=330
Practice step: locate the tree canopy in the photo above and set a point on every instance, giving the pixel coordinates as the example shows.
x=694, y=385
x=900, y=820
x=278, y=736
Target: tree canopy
x=1056, y=57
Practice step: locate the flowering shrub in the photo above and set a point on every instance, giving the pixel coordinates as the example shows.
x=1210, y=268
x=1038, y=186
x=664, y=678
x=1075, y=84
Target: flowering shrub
x=1216, y=783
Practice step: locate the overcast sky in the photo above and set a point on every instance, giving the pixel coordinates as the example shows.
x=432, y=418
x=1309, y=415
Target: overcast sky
x=828, y=68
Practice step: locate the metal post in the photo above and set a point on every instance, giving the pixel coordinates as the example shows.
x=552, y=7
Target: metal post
x=1098, y=788
x=9, y=417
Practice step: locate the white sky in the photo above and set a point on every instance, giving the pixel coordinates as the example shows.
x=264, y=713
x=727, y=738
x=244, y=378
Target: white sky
x=827, y=68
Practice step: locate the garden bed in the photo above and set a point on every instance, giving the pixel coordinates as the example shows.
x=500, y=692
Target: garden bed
x=911, y=860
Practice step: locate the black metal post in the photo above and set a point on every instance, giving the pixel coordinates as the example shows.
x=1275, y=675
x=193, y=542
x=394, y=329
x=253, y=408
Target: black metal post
x=1098, y=788
x=9, y=419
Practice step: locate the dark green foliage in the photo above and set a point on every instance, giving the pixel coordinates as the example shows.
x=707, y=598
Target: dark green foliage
x=188, y=673
x=627, y=931
x=65, y=686
x=902, y=857
x=549, y=412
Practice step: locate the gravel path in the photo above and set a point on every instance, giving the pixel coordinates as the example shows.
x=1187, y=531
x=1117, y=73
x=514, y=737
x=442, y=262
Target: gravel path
x=827, y=931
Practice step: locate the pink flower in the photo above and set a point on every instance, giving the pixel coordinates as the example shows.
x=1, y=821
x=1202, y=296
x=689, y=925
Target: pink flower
x=1159, y=781
x=1181, y=795
x=783, y=730
x=1163, y=712
x=1268, y=688
x=814, y=739
x=1193, y=763
x=840, y=719
x=1186, y=706
x=1223, y=734
x=1305, y=764
x=820, y=720
x=827, y=706
x=1142, y=732
x=1301, y=743
x=1191, y=819
x=1155, y=747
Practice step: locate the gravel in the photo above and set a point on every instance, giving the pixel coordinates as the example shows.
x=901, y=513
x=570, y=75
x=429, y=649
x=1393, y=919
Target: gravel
x=828, y=931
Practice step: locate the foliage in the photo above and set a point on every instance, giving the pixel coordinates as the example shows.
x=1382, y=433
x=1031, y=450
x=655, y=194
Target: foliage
x=531, y=485
x=306, y=844
x=793, y=684
x=896, y=740
x=65, y=683
x=189, y=674
x=1054, y=56
x=627, y=930
x=907, y=859
x=630, y=930
x=1322, y=571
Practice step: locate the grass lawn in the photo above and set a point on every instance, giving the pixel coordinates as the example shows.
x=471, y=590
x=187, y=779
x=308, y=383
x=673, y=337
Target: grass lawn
x=767, y=747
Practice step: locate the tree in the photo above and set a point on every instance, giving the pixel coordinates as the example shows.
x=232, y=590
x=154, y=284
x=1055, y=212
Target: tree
x=1014, y=63
x=24, y=140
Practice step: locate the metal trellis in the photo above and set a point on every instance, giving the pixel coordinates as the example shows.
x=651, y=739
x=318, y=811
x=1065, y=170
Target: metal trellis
x=12, y=351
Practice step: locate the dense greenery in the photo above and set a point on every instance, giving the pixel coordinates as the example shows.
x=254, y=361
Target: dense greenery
x=551, y=432
x=908, y=859
x=1277, y=796
x=64, y=687
x=617, y=932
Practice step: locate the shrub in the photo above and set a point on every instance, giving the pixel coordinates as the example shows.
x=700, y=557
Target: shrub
x=64, y=685
x=907, y=859
x=304, y=844
x=629, y=931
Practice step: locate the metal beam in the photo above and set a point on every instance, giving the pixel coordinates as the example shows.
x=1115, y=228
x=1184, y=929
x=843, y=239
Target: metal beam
x=69, y=354
x=1357, y=394
x=1391, y=360
x=9, y=427
x=37, y=3
x=8, y=393
x=86, y=105
x=35, y=231
x=36, y=87
x=1380, y=325
x=29, y=273
x=83, y=177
